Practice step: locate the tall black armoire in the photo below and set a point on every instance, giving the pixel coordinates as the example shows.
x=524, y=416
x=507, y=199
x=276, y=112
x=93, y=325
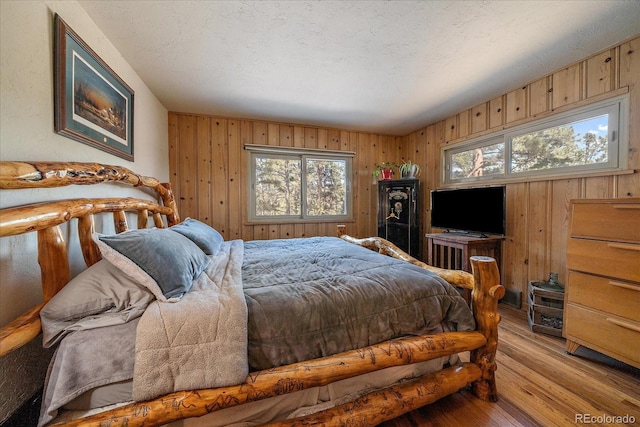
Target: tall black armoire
x=398, y=214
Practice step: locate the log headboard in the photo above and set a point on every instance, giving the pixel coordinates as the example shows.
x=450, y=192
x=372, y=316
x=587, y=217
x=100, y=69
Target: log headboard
x=45, y=218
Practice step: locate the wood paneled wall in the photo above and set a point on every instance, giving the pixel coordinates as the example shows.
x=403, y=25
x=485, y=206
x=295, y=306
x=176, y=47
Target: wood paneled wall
x=209, y=171
x=209, y=166
x=537, y=211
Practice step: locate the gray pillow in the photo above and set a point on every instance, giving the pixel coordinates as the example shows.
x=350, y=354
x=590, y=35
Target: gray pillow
x=101, y=295
x=164, y=261
x=207, y=238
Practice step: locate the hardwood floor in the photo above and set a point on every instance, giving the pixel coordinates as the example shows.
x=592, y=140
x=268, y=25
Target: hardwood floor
x=539, y=384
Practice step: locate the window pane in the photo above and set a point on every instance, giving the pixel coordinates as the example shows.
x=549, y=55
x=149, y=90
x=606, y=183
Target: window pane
x=277, y=186
x=481, y=161
x=326, y=187
x=579, y=143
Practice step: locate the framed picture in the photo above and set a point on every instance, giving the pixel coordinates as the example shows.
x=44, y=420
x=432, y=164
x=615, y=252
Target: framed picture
x=91, y=103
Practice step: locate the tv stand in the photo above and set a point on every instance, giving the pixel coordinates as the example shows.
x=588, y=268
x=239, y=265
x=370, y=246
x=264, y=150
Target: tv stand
x=452, y=251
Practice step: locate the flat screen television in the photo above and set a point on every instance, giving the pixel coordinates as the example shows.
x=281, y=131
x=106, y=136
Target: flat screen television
x=474, y=211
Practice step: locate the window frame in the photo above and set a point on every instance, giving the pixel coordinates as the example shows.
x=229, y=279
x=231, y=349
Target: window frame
x=618, y=141
x=303, y=155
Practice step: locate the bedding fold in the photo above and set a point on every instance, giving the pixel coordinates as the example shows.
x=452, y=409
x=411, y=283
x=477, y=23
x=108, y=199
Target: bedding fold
x=199, y=341
x=82, y=362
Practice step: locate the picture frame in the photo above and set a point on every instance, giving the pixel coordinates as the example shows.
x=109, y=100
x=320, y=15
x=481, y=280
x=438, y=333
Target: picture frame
x=92, y=104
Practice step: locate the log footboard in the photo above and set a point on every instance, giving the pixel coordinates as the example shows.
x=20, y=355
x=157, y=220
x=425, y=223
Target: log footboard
x=486, y=292
x=301, y=376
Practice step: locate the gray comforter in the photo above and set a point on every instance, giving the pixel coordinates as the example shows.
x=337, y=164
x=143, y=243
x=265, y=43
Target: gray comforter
x=314, y=297
x=306, y=298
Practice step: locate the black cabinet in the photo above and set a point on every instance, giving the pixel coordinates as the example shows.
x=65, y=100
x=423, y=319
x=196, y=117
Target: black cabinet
x=398, y=214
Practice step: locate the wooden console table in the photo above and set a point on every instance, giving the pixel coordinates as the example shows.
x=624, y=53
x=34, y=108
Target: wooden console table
x=452, y=251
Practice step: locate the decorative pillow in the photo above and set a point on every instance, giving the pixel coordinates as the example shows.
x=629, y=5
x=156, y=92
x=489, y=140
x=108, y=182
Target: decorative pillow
x=101, y=295
x=164, y=261
x=208, y=239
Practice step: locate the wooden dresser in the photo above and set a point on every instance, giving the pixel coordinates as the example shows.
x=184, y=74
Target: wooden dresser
x=602, y=295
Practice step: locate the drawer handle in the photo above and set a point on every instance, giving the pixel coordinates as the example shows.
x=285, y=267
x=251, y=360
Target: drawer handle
x=624, y=324
x=625, y=285
x=628, y=247
x=627, y=206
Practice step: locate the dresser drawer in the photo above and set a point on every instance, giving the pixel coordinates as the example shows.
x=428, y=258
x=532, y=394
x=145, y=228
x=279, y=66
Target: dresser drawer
x=611, y=259
x=618, y=337
x=608, y=295
x=617, y=221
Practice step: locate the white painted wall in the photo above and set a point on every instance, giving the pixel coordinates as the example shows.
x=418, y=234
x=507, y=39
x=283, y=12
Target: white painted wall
x=27, y=133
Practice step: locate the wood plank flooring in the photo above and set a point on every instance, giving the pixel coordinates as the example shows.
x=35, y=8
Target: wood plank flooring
x=539, y=384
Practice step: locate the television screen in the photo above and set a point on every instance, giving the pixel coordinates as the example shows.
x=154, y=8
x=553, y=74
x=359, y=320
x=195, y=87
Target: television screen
x=469, y=210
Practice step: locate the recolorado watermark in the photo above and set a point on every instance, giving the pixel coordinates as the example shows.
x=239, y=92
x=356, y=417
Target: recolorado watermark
x=604, y=419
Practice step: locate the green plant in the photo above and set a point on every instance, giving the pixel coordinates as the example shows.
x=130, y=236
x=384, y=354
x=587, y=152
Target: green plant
x=409, y=169
x=382, y=166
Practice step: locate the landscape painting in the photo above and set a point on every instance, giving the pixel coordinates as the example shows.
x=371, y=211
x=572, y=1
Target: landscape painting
x=92, y=104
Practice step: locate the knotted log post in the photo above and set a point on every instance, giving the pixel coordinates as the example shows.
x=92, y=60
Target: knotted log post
x=486, y=293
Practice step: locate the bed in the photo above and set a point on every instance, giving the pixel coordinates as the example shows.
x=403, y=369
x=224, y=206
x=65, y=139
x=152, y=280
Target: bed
x=315, y=347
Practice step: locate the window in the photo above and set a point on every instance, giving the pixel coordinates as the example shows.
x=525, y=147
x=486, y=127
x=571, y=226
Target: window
x=295, y=184
x=584, y=140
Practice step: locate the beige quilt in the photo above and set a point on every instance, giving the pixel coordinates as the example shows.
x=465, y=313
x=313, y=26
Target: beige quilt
x=199, y=341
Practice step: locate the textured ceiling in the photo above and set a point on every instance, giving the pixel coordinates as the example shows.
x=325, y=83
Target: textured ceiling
x=382, y=66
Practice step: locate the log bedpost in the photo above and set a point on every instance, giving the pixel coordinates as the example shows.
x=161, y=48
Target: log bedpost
x=486, y=293
x=90, y=251
x=168, y=199
x=53, y=260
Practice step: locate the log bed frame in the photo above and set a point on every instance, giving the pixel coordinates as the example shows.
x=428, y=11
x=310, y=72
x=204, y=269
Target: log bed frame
x=371, y=409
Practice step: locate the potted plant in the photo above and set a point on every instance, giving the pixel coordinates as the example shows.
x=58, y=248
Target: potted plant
x=384, y=169
x=409, y=169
